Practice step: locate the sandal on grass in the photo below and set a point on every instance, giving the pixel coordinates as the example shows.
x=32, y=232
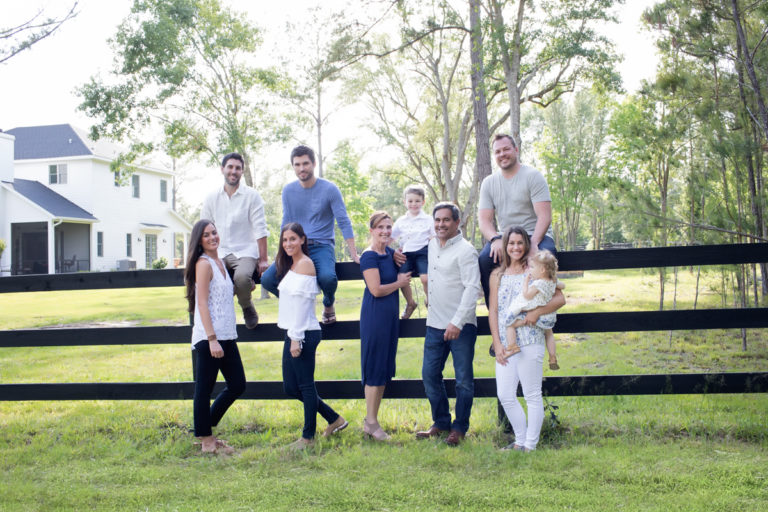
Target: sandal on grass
x=329, y=318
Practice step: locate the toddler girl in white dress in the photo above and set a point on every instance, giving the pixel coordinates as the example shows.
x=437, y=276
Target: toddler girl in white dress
x=542, y=274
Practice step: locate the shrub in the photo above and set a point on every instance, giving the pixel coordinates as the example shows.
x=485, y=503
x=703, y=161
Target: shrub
x=159, y=263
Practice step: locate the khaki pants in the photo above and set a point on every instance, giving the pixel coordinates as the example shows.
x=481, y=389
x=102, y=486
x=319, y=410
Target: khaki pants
x=241, y=270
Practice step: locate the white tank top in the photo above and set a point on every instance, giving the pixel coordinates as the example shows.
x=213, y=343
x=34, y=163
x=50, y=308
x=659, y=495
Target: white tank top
x=220, y=304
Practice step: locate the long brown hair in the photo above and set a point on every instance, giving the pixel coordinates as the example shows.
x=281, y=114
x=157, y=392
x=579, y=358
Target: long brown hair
x=506, y=259
x=283, y=262
x=194, y=252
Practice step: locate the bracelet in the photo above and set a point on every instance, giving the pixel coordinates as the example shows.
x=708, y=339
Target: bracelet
x=497, y=237
x=212, y=337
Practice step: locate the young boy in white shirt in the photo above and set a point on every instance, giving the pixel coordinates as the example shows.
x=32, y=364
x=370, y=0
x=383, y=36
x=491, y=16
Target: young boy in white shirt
x=412, y=231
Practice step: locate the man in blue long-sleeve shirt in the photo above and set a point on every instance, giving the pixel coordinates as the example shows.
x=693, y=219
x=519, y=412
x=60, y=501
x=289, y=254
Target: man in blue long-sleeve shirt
x=314, y=203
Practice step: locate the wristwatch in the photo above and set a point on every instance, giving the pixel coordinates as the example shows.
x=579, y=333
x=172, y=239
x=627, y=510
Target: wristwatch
x=495, y=238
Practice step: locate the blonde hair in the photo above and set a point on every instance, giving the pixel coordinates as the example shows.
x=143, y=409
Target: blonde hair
x=547, y=260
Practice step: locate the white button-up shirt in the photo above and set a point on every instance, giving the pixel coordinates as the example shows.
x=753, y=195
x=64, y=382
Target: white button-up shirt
x=454, y=283
x=413, y=232
x=239, y=220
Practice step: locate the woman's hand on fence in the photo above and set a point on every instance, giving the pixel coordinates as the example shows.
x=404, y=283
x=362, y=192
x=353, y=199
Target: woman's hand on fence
x=216, y=351
x=295, y=348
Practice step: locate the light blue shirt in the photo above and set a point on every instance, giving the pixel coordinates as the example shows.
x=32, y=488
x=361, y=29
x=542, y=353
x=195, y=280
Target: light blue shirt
x=315, y=208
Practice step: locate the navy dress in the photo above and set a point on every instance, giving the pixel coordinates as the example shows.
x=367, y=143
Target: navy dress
x=379, y=323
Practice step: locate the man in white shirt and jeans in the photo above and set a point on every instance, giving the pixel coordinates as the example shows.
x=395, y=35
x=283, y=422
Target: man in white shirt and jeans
x=454, y=286
x=237, y=210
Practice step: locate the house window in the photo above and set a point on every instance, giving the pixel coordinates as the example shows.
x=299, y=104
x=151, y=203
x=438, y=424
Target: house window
x=99, y=243
x=150, y=249
x=57, y=174
x=163, y=191
x=128, y=246
x=135, y=183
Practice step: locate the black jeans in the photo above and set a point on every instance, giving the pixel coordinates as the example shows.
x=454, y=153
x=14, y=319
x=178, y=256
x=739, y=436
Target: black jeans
x=299, y=382
x=207, y=415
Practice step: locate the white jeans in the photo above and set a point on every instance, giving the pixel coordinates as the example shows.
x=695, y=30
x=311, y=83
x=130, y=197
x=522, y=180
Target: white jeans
x=526, y=368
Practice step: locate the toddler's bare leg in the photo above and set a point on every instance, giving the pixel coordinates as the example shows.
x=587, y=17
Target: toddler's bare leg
x=512, y=346
x=410, y=305
x=424, y=278
x=549, y=336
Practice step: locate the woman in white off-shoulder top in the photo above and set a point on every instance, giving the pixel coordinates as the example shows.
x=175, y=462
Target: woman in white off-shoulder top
x=209, y=294
x=296, y=314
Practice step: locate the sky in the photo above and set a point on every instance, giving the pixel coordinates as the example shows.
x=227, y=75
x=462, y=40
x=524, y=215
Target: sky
x=37, y=87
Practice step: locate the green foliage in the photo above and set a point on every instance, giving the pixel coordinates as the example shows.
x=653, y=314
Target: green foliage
x=14, y=39
x=344, y=171
x=185, y=65
x=572, y=151
x=2, y=246
x=160, y=262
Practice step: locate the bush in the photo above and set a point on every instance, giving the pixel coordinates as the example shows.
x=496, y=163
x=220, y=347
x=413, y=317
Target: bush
x=159, y=263
x=2, y=246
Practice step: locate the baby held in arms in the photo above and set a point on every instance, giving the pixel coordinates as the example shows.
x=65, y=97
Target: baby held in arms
x=538, y=287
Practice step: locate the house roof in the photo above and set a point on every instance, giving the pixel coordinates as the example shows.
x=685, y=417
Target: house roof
x=50, y=201
x=57, y=141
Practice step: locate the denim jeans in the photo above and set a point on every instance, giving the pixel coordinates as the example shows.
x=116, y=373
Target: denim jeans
x=487, y=265
x=324, y=258
x=436, y=351
x=207, y=415
x=299, y=382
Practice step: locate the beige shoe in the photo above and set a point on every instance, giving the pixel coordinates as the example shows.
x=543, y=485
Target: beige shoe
x=337, y=426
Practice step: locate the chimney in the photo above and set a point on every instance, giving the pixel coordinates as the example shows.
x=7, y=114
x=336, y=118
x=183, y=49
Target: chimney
x=6, y=156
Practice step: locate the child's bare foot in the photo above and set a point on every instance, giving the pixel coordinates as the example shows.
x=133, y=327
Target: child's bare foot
x=553, y=363
x=408, y=311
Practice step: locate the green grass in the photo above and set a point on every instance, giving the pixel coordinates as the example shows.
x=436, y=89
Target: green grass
x=684, y=452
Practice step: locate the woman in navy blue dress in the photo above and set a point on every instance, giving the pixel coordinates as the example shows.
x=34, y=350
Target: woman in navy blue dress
x=379, y=319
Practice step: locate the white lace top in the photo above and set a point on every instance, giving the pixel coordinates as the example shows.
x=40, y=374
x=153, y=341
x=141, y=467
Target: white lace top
x=220, y=304
x=296, y=305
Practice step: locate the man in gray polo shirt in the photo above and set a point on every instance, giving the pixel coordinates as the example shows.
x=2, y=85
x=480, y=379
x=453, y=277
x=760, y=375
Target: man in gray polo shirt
x=518, y=195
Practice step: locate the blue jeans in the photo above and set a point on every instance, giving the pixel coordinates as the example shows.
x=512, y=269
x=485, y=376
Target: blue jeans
x=299, y=382
x=487, y=264
x=436, y=351
x=323, y=257
x=207, y=415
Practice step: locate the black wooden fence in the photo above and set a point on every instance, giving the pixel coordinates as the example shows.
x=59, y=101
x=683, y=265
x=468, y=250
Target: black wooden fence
x=749, y=382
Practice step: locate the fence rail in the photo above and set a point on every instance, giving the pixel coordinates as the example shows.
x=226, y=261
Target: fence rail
x=750, y=382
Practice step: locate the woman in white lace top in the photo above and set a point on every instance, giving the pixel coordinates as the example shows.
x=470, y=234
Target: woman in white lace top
x=296, y=314
x=209, y=294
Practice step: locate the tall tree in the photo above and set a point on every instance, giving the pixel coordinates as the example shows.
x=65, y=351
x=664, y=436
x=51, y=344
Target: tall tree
x=571, y=150
x=422, y=107
x=547, y=48
x=185, y=65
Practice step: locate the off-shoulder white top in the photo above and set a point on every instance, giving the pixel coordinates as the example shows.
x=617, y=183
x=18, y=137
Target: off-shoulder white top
x=296, y=306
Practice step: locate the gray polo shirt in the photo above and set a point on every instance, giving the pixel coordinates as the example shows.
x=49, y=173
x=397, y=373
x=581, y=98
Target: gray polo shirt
x=513, y=198
x=454, y=283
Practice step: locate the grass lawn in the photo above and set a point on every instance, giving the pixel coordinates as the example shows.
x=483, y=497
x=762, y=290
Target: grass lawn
x=686, y=452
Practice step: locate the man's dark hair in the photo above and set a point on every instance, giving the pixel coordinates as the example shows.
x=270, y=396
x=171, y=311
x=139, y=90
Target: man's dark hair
x=301, y=151
x=455, y=213
x=229, y=156
x=500, y=136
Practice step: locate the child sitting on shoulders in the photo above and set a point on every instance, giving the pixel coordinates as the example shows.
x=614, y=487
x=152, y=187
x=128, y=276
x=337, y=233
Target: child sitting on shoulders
x=413, y=232
x=542, y=271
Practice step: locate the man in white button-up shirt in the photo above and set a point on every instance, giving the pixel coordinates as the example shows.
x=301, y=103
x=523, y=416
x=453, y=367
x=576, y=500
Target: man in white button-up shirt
x=237, y=210
x=454, y=286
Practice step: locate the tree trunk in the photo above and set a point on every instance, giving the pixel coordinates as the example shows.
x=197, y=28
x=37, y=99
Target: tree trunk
x=479, y=105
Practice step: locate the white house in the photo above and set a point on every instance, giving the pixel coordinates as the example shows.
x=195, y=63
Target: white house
x=62, y=209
